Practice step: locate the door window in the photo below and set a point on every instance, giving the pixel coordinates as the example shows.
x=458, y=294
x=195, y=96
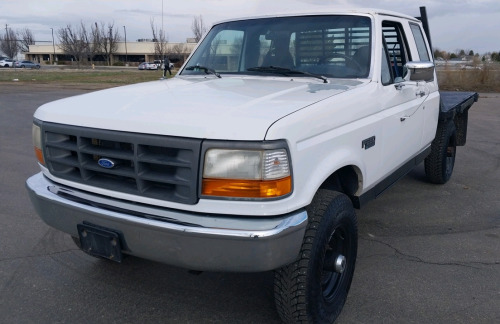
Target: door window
x=423, y=53
x=397, y=47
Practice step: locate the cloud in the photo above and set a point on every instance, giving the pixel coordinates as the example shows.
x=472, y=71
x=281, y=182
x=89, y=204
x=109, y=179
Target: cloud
x=459, y=24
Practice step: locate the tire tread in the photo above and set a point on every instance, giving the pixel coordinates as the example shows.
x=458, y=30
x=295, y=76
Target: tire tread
x=290, y=280
x=434, y=163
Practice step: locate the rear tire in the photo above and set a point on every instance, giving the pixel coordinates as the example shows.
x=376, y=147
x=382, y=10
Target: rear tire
x=439, y=164
x=314, y=288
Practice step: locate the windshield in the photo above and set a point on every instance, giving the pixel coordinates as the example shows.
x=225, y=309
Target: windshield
x=335, y=46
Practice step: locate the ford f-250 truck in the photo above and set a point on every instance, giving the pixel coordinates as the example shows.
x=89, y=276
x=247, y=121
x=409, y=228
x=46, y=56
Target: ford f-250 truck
x=254, y=156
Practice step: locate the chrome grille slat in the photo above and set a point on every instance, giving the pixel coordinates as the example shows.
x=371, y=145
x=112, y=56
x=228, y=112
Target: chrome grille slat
x=160, y=167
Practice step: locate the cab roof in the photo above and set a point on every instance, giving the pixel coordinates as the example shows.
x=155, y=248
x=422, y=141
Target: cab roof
x=328, y=11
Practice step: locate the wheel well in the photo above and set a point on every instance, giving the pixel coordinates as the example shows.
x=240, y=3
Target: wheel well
x=346, y=180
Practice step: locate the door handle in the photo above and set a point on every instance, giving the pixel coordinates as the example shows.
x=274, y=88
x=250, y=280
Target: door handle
x=420, y=93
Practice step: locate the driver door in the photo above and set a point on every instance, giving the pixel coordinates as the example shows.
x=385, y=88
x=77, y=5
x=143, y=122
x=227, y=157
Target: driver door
x=402, y=105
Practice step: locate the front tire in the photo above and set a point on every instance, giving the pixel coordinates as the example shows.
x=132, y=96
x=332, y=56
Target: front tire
x=314, y=288
x=439, y=164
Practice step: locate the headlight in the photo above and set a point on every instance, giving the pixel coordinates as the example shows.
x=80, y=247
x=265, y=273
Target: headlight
x=246, y=173
x=37, y=143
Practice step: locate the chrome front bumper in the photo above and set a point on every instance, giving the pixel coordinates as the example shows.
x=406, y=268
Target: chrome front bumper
x=184, y=239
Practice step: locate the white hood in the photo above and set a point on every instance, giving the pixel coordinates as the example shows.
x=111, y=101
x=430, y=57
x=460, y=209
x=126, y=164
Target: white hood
x=228, y=108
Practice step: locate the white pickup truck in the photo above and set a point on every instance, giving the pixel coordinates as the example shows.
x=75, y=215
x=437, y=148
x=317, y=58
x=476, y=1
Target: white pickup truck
x=254, y=156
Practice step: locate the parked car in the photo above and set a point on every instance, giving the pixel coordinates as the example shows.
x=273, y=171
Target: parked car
x=26, y=64
x=159, y=63
x=6, y=63
x=148, y=66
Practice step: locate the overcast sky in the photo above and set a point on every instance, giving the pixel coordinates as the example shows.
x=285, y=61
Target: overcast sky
x=458, y=24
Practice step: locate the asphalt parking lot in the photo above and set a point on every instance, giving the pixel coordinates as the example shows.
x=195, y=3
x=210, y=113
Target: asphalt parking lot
x=427, y=253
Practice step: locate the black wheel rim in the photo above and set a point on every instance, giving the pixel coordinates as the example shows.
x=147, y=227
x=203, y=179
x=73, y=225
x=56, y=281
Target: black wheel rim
x=331, y=280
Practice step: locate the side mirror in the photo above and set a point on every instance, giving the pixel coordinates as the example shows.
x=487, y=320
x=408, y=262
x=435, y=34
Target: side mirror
x=419, y=71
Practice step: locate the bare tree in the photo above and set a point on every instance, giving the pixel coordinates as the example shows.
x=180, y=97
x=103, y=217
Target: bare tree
x=215, y=46
x=84, y=45
x=236, y=46
x=8, y=43
x=104, y=40
x=111, y=45
x=74, y=42
x=178, y=49
x=88, y=45
x=95, y=41
x=26, y=39
x=160, y=41
x=198, y=28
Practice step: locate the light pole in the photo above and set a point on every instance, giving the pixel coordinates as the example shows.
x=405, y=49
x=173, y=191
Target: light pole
x=110, y=42
x=53, y=46
x=126, y=54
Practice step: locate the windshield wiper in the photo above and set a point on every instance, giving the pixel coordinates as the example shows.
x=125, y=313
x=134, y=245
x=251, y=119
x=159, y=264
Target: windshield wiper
x=204, y=68
x=285, y=71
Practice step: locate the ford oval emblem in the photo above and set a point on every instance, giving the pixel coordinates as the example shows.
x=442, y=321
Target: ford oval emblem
x=106, y=163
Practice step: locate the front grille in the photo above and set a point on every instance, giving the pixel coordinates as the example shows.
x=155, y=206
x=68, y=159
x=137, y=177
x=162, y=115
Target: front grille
x=160, y=167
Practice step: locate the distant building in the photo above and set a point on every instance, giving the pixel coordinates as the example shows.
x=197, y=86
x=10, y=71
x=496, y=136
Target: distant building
x=133, y=53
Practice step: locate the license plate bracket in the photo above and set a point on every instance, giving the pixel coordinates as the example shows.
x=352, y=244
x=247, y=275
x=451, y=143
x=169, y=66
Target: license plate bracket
x=100, y=242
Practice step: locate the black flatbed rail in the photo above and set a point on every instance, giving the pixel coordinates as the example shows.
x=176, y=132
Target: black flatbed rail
x=456, y=101
x=455, y=106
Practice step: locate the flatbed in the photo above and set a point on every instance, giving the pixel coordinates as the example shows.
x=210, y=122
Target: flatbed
x=457, y=101
x=455, y=106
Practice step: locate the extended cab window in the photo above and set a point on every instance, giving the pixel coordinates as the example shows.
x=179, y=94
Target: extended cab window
x=396, y=49
x=386, y=74
x=337, y=46
x=423, y=53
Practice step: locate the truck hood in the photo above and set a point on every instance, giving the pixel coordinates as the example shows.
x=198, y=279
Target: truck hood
x=228, y=108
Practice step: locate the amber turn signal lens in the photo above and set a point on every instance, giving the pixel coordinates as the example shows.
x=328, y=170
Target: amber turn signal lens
x=247, y=188
x=37, y=143
x=39, y=155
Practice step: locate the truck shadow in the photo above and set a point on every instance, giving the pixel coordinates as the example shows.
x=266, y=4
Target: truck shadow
x=157, y=291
